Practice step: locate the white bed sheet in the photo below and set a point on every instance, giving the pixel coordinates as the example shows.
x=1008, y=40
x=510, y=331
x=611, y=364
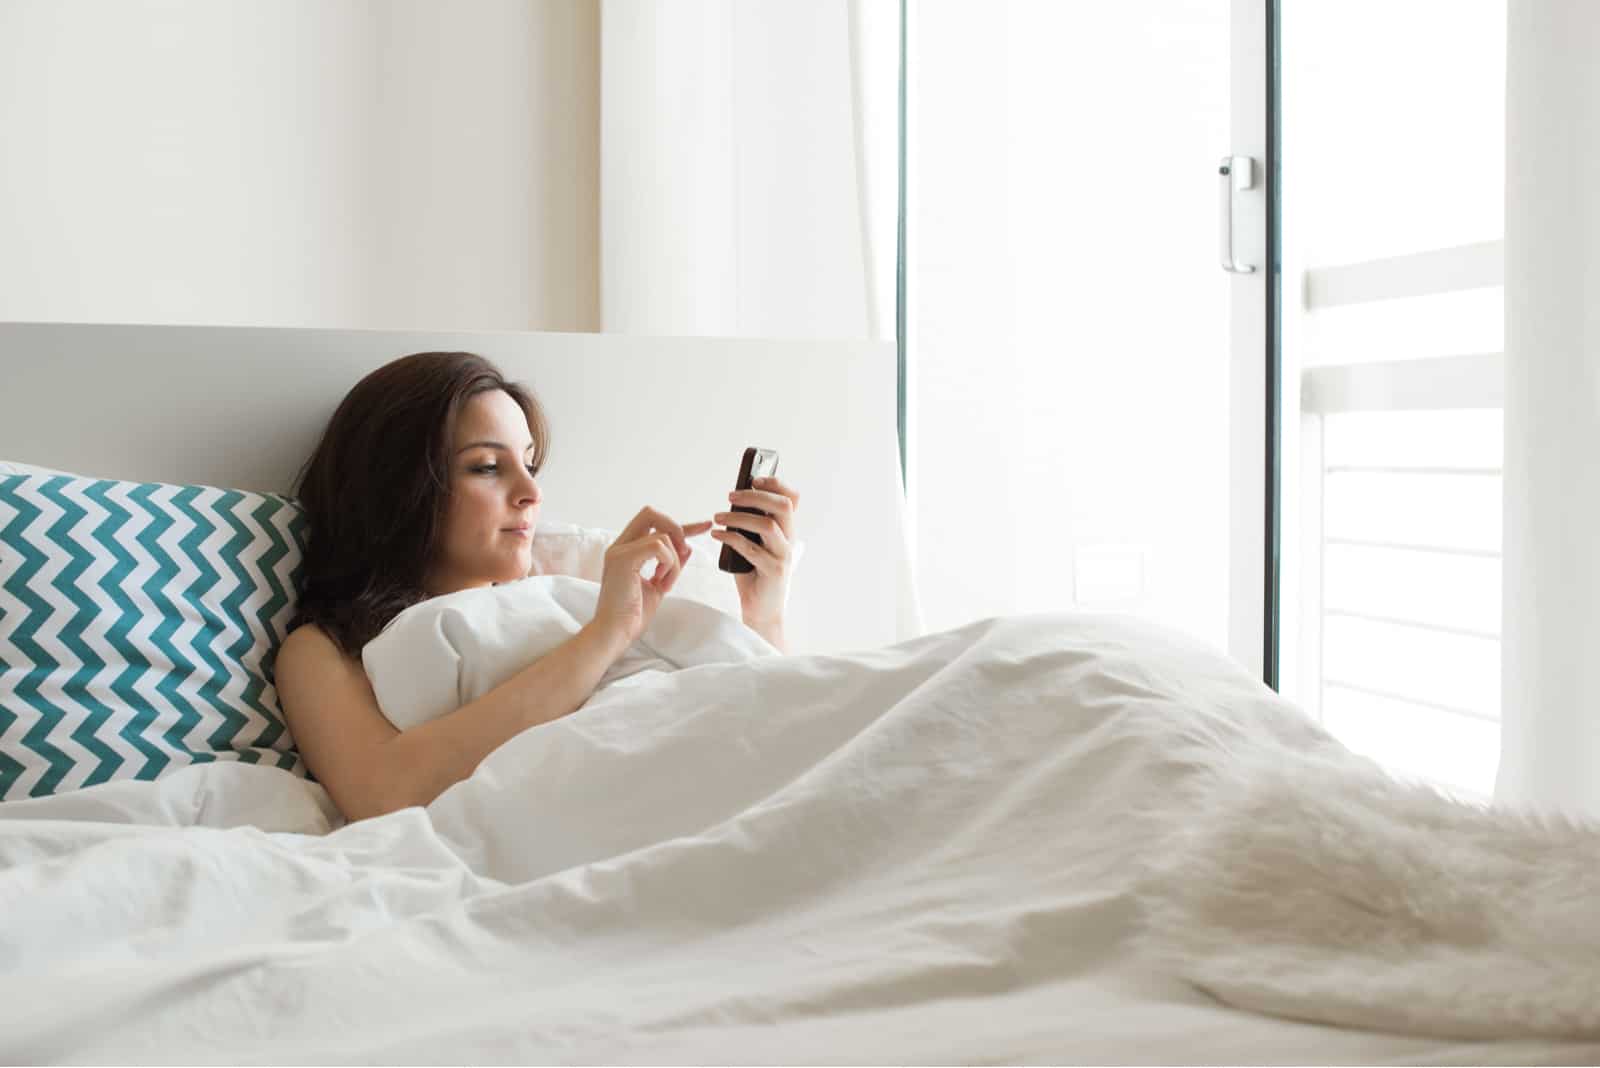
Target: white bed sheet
x=919, y=853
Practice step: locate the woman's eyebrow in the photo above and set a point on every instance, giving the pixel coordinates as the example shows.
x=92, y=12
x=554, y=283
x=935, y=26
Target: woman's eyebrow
x=488, y=445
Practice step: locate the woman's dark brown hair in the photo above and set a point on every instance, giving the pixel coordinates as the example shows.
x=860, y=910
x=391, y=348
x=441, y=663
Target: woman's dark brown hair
x=377, y=487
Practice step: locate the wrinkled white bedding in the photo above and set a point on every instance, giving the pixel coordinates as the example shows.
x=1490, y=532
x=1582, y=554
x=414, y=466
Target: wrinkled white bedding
x=920, y=853
x=436, y=656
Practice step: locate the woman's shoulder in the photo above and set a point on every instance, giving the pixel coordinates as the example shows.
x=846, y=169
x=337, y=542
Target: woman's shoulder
x=310, y=644
x=306, y=633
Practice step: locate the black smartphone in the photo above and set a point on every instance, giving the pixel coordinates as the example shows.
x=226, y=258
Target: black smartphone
x=757, y=463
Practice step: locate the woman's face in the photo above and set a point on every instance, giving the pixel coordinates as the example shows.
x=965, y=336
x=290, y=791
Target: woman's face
x=494, y=500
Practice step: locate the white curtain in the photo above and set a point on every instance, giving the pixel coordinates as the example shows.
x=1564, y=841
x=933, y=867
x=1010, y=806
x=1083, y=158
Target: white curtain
x=1550, y=751
x=748, y=167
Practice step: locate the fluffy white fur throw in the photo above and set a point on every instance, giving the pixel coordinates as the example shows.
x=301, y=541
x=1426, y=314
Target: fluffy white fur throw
x=1308, y=883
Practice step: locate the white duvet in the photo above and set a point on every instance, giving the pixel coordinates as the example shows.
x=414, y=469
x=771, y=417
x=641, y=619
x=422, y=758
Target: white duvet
x=438, y=655
x=923, y=853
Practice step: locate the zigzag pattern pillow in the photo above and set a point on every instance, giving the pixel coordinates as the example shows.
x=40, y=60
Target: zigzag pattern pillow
x=138, y=624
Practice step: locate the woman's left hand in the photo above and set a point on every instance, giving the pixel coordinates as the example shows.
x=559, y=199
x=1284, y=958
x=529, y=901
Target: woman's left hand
x=764, y=592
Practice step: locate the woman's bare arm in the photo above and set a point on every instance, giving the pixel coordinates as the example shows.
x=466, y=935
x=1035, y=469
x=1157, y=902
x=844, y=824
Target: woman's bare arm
x=370, y=767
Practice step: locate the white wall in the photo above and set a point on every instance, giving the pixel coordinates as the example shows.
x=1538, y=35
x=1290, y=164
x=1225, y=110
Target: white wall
x=338, y=163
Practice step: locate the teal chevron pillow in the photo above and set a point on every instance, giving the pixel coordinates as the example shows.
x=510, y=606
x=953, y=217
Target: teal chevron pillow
x=138, y=625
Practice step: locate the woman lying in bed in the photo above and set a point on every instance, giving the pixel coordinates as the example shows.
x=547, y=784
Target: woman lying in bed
x=424, y=484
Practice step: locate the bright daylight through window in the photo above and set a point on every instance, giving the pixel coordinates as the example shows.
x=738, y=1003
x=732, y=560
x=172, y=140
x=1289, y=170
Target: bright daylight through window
x=1393, y=222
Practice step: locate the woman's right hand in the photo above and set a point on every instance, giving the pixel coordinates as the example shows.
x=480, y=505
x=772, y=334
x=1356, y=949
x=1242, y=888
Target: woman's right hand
x=628, y=601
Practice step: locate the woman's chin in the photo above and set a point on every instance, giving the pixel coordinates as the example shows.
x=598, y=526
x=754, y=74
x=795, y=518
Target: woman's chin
x=522, y=564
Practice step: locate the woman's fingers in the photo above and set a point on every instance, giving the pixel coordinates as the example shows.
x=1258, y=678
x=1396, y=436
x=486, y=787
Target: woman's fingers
x=761, y=558
x=649, y=520
x=670, y=561
x=771, y=485
x=768, y=557
x=773, y=497
x=766, y=526
x=657, y=547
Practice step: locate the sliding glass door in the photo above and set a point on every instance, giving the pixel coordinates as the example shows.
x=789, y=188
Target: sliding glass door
x=1089, y=310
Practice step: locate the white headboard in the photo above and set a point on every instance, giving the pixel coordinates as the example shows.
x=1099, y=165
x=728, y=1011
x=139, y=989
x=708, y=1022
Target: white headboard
x=634, y=421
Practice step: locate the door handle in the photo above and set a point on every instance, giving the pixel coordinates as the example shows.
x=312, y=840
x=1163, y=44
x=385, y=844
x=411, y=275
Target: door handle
x=1238, y=173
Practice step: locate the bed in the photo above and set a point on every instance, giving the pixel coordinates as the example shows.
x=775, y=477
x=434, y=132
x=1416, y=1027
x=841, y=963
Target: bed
x=893, y=846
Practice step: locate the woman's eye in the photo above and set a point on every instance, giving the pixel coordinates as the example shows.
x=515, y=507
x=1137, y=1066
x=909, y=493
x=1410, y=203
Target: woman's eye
x=489, y=469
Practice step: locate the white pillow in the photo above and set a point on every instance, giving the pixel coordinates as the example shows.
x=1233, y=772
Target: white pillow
x=568, y=549
x=446, y=651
